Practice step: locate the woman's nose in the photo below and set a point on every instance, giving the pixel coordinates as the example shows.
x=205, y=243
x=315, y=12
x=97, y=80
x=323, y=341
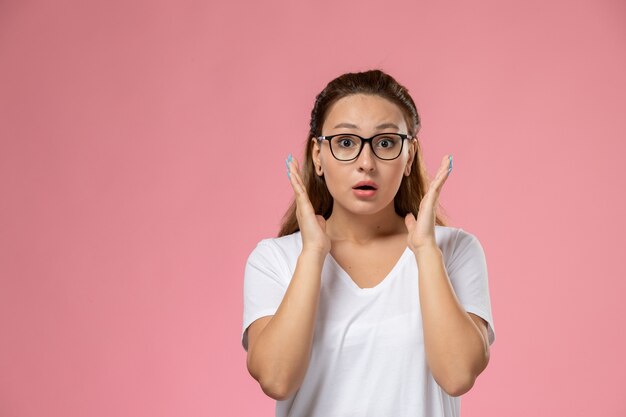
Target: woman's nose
x=366, y=158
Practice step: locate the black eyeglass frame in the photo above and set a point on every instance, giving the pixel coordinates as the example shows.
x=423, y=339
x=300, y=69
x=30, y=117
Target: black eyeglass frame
x=363, y=140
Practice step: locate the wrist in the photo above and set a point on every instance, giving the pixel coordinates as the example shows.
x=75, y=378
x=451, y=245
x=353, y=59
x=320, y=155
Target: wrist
x=426, y=250
x=316, y=254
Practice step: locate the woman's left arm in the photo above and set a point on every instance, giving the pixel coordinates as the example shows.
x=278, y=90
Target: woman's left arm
x=456, y=344
x=455, y=340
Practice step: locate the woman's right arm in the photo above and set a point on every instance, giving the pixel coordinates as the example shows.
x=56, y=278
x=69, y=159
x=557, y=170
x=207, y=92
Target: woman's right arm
x=279, y=352
x=279, y=348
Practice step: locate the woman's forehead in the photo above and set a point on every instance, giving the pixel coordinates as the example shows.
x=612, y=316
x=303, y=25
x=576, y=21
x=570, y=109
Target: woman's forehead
x=364, y=112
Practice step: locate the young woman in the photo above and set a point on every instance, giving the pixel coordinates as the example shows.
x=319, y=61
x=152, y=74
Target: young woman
x=366, y=304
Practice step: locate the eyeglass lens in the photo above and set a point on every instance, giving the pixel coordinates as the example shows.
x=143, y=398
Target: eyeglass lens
x=346, y=147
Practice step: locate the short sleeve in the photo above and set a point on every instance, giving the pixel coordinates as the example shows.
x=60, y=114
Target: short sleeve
x=467, y=270
x=264, y=285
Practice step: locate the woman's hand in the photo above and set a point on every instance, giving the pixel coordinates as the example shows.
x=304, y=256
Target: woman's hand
x=312, y=226
x=422, y=230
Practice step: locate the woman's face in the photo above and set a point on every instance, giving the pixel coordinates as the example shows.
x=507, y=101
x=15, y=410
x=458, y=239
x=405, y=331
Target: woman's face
x=364, y=115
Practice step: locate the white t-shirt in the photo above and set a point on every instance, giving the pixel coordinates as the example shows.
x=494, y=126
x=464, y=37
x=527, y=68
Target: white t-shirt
x=368, y=355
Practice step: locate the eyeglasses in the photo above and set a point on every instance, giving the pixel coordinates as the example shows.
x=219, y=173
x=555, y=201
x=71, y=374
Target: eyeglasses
x=346, y=146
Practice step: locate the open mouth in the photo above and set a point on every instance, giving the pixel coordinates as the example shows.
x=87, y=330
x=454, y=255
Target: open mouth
x=364, y=187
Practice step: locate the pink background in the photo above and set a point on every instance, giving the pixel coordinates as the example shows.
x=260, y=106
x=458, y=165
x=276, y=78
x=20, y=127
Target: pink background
x=125, y=224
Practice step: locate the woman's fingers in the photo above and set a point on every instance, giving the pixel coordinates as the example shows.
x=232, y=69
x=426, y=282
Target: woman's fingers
x=302, y=197
x=442, y=174
x=294, y=177
x=295, y=170
x=445, y=166
x=312, y=226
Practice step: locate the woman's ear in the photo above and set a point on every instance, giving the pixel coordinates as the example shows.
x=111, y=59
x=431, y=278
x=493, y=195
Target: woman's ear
x=412, y=154
x=317, y=158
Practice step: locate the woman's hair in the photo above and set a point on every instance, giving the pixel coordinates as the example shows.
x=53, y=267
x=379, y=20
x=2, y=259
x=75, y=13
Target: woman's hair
x=373, y=82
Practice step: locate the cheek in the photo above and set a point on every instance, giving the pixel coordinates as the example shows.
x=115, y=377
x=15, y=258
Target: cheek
x=337, y=179
x=333, y=182
x=394, y=179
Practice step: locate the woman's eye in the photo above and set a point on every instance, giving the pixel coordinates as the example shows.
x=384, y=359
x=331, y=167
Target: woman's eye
x=386, y=143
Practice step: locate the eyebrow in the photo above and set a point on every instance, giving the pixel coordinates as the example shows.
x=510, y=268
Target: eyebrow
x=381, y=126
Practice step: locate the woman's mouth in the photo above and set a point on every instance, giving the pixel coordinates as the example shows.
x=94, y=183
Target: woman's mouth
x=364, y=191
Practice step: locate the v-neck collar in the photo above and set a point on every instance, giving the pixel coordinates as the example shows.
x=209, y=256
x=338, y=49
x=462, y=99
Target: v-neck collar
x=371, y=290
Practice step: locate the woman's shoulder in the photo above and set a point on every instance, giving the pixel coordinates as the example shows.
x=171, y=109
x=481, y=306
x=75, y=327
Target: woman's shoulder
x=449, y=237
x=288, y=246
x=448, y=232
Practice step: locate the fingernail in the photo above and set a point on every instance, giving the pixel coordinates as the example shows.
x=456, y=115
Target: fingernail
x=450, y=167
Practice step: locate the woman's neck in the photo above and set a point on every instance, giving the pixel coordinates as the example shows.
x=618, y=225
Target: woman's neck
x=362, y=229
